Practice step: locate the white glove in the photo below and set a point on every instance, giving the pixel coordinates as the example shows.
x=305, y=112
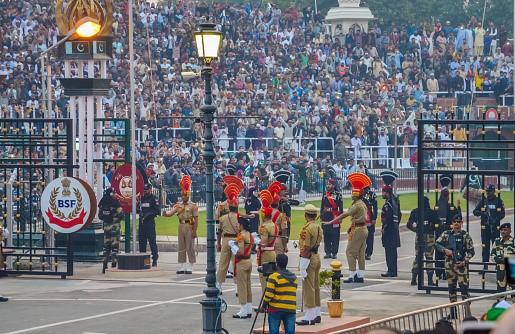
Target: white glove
x=303, y=265
x=257, y=239
x=5, y=233
x=234, y=246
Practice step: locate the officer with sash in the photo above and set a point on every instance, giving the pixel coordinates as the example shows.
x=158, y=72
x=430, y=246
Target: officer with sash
x=279, y=219
x=330, y=208
x=268, y=233
x=243, y=268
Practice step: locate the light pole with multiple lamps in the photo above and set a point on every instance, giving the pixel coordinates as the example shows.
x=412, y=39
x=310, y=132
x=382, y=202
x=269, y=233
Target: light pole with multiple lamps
x=208, y=42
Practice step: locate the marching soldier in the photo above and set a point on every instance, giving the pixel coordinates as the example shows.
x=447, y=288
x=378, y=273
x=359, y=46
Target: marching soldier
x=504, y=245
x=431, y=219
x=285, y=203
x=223, y=207
x=188, y=224
x=491, y=211
x=390, y=219
x=310, y=239
x=148, y=209
x=458, y=247
x=268, y=232
x=111, y=213
x=243, y=268
x=370, y=199
x=331, y=207
x=357, y=232
x=279, y=219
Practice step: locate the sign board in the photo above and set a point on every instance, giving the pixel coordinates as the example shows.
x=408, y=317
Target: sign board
x=122, y=185
x=68, y=204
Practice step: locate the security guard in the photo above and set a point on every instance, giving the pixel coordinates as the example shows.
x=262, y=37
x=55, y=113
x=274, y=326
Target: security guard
x=430, y=220
x=504, y=245
x=111, y=213
x=310, y=239
x=491, y=211
x=357, y=232
x=148, y=209
x=330, y=208
x=243, y=268
x=188, y=224
x=458, y=247
x=370, y=199
x=268, y=232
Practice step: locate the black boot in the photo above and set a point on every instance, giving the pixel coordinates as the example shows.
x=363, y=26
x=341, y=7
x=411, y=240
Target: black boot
x=430, y=280
x=413, y=279
x=154, y=263
x=113, y=265
x=104, y=267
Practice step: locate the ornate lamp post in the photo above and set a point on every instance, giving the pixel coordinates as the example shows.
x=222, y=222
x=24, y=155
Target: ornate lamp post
x=208, y=42
x=397, y=118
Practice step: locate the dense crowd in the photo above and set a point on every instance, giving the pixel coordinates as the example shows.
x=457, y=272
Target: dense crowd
x=284, y=87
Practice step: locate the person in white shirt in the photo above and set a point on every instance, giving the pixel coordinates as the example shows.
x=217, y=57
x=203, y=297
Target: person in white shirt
x=383, y=148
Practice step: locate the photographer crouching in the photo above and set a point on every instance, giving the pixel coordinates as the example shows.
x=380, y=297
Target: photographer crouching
x=280, y=297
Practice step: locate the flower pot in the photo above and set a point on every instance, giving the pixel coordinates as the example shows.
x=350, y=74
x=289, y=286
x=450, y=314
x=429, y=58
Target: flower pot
x=335, y=308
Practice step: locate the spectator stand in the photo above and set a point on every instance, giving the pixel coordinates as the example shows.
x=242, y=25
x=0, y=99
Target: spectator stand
x=484, y=138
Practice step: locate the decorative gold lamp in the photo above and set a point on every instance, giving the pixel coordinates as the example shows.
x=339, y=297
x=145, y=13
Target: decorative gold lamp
x=84, y=18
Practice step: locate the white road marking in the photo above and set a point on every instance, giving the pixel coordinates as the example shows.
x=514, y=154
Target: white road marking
x=102, y=315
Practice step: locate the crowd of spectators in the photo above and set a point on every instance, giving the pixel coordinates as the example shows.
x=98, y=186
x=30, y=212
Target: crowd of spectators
x=286, y=89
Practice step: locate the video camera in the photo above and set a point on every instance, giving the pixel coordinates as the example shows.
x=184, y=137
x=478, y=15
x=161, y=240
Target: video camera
x=267, y=269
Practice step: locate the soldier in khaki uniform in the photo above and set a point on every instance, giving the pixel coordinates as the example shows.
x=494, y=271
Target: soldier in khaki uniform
x=188, y=223
x=279, y=219
x=268, y=234
x=505, y=245
x=228, y=231
x=358, y=231
x=310, y=239
x=243, y=268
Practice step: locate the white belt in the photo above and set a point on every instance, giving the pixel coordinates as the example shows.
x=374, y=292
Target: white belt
x=267, y=248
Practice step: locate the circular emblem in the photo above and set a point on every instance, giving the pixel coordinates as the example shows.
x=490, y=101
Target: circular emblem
x=68, y=205
x=491, y=114
x=122, y=185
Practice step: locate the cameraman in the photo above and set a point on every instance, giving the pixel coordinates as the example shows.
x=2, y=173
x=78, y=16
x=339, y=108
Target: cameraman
x=280, y=297
x=148, y=209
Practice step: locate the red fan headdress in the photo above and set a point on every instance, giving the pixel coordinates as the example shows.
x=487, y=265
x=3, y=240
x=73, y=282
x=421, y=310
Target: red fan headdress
x=266, y=200
x=185, y=185
x=274, y=189
x=358, y=182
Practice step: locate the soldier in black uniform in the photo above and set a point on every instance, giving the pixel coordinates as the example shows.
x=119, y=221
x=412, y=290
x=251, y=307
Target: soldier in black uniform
x=148, y=209
x=390, y=218
x=491, y=211
x=370, y=199
x=331, y=207
x=431, y=219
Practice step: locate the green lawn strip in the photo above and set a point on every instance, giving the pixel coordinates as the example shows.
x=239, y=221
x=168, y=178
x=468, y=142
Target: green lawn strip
x=168, y=226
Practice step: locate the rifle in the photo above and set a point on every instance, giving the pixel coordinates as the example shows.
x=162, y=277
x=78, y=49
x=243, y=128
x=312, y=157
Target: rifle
x=456, y=245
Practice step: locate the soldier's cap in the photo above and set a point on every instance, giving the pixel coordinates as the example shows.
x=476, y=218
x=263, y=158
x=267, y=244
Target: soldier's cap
x=457, y=218
x=490, y=188
x=310, y=209
x=147, y=186
x=245, y=222
x=505, y=225
x=331, y=181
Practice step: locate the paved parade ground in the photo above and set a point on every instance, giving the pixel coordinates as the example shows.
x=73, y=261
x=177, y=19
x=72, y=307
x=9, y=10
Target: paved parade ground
x=89, y=302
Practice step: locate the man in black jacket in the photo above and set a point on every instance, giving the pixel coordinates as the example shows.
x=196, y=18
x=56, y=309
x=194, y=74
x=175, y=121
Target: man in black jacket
x=491, y=211
x=390, y=217
x=331, y=207
x=148, y=209
x=370, y=199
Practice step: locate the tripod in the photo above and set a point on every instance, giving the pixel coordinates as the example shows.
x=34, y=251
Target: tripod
x=259, y=308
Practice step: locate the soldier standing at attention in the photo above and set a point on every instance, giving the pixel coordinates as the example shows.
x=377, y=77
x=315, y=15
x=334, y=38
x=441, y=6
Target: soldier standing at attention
x=504, y=245
x=223, y=208
x=279, y=219
x=431, y=219
x=111, y=213
x=331, y=207
x=188, y=223
x=243, y=268
x=310, y=239
x=390, y=219
x=458, y=247
x=491, y=210
x=148, y=209
x=357, y=232
x=370, y=199
x=268, y=234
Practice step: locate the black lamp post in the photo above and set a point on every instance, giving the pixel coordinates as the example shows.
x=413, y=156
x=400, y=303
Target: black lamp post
x=208, y=42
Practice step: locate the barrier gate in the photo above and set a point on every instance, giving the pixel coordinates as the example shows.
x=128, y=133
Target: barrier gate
x=33, y=152
x=453, y=148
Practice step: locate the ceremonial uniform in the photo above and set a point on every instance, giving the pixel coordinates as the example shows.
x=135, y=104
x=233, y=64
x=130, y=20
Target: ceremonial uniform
x=491, y=210
x=266, y=253
x=462, y=248
x=370, y=200
x=148, y=209
x=358, y=233
x=431, y=219
x=279, y=219
x=331, y=207
x=310, y=238
x=228, y=231
x=285, y=208
x=390, y=237
x=243, y=270
x=188, y=220
x=111, y=214
x=502, y=248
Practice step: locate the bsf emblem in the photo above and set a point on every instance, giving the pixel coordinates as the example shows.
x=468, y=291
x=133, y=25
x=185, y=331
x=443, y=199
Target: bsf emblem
x=68, y=205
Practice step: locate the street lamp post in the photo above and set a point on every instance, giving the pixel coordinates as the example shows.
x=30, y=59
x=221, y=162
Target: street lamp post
x=397, y=118
x=208, y=42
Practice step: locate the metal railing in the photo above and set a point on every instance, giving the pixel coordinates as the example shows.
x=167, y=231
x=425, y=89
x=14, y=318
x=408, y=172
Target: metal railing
x=425, y=319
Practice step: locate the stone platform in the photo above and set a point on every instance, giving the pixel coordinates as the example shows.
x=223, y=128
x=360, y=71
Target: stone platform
x=328, y=325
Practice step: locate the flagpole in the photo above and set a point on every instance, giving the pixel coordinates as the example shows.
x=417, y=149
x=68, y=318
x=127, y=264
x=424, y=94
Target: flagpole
x=133, y=124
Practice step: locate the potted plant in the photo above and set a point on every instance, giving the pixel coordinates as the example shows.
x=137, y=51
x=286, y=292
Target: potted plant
x=332, y=288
